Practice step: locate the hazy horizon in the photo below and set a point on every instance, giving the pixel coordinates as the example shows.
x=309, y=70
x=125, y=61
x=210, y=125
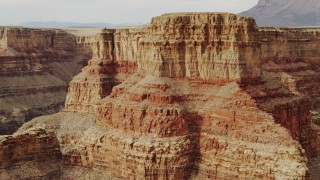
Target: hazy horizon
x=15, y=12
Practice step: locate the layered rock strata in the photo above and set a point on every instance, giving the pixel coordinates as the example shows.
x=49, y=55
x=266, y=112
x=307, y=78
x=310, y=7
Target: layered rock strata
x=35, y=68
x=194, y=96
x=34, y=154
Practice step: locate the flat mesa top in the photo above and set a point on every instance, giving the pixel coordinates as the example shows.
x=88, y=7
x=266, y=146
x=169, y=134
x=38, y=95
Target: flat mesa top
x=202, y=17
x=198, y=13
x=204, y=14
x=89, y=32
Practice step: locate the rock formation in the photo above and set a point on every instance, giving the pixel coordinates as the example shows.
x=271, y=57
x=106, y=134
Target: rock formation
x=36, y=66
x=193, y=96
x=285, y=13
x=26, y=152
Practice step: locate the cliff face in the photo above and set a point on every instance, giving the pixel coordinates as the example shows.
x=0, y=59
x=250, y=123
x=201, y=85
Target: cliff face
x=94, y=79
x=192, y=46
x=35, y=68
x=195, y=46
x=286, y=13
x=193, y=96
x=199, y=46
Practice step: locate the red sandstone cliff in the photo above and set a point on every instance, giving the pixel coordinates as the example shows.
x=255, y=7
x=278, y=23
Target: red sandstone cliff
x=193, y=96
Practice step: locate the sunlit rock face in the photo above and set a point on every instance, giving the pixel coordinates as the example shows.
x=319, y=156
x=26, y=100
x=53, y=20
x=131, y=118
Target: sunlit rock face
x=192, y=96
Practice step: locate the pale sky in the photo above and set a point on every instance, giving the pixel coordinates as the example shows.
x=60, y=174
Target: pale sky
x=13, y=12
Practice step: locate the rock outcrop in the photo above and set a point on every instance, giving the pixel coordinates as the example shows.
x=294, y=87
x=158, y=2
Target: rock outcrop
x=36, y=66
x=32, y=154
x=193, y=96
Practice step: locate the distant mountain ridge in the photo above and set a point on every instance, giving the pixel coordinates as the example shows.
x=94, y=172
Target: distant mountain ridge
x=286, y=13
x=57, y=24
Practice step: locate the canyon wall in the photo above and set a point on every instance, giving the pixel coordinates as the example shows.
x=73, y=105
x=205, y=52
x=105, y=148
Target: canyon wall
x=193, y=96
x=36, y=66
x=290, y=58
x=291, y=55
